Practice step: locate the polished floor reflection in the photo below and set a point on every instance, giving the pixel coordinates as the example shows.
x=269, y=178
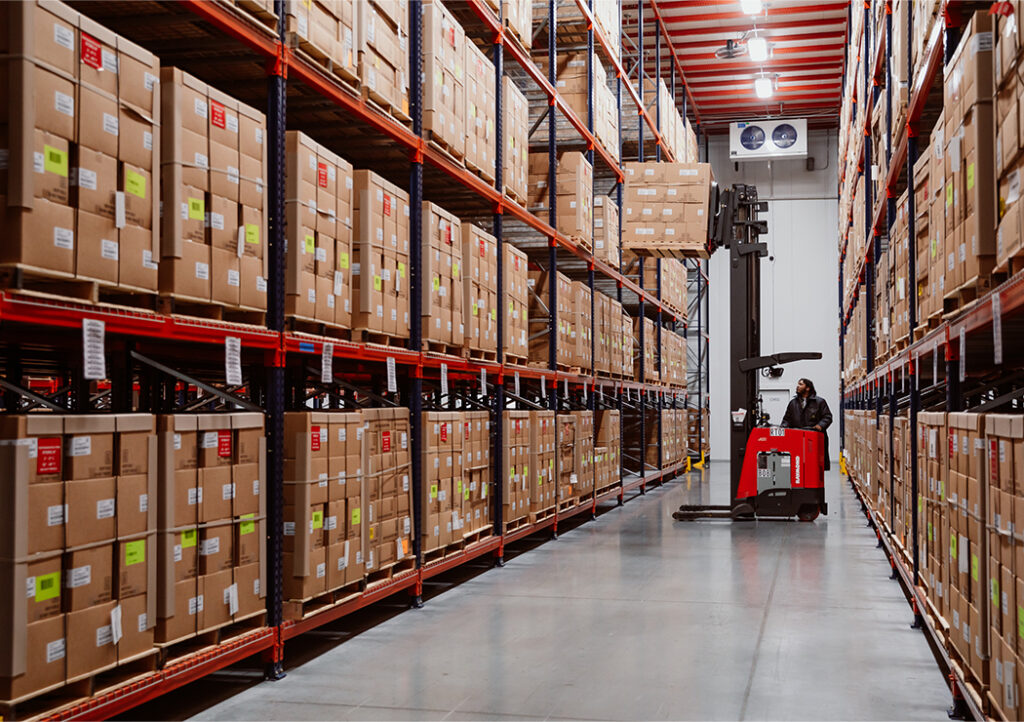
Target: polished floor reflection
x=632, y=616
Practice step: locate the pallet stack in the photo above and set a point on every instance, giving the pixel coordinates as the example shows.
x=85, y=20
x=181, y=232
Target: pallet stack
x=542, y=480
x=518, y=297
x=383, y=54
x=515, y=480
x=442, y=293
x=563, y=314
x=665, y=212
x=574, y=191
x=480, y=292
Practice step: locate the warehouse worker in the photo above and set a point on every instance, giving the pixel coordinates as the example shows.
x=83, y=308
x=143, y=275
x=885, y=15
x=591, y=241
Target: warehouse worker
x=807, y=411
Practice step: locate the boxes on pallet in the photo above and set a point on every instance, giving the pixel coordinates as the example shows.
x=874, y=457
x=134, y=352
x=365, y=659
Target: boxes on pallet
x=480, y=107
x=383, y=55
x=211, y=518
x=319, y=215
x=326, y=31
x=388, y=488
x=582, y=328
x=541, y=316
x=80, y=539
x=213, y=160
x=444, y=78
x=518, y=16
x=518, y=299
x=541, y=475
x=648, y=350
x=516, y=462
x=574, y=190
x=606, y=231
x=380, y=256
x=571, y=83
x=82, y=159
x=666, y=208
x=443, y=292
x=515, y=125
x=566, y=457
x=479, y=289
x=584, y=453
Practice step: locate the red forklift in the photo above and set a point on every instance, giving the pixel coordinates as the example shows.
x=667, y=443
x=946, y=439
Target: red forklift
x=775, y=472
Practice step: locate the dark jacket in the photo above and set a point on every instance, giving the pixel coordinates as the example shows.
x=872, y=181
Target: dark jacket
x=814, y=413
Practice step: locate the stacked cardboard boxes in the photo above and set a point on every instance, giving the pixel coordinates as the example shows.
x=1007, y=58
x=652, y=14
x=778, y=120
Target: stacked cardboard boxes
x=676, y=133
x=519, y=299
x=649, y=350
x=1009, y=138
x=515, y=125
x=582, y=330
x=574, y=190
x=212, y=519
x=81, y=137
x=571, y=83
x=673, y=359
x=606, y=231
x=326, y=30
x=666, y=208
x=607, y=448
x=456, y=470
x=346, y=497
x=388, y=488
x=443, y=290
x=319, y=216
x=80, y=540
x=480, y=107
x=516, y=475
x=970, y=244
x=584, y=453
x=567, y=461
x=380, y=256
x=444, y=78
x=479, y=290
x=543, y=489
x=541, y=315
x=518, y=16
x=383, y=53
x=697, y=436
x=213, y=165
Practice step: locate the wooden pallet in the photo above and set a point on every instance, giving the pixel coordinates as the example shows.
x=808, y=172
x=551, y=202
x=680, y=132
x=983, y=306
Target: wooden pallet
x=478, y=535
x=521, y=42
x=476, y=354
x=299, y=609
x=444, y=348
x=519, y=523
x=46, y=283
x=431, y=556
x=259, y=12
x=568, y=504
x=178, y=305
x=442, y=146
x=1012, y=264
x=208, y=639
x=390, y=571
x=312, y=54
x=958, y=300
x=541, y=515
x=384, y=105
x=515, y=197
x=303, y=324
x=487, y=175
x=513, y=359
x=363, y=335
x=581, y=242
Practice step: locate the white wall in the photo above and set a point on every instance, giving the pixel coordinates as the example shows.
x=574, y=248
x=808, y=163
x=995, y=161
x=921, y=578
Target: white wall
x=799, y=289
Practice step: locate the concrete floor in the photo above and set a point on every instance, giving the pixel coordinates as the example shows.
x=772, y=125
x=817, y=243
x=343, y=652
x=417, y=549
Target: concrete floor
x=632, y=616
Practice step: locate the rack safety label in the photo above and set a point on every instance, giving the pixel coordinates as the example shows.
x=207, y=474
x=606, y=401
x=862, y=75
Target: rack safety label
x=444, y=379
x=997, y=329
x=392, y=381
x=233, y=360
x=94, y=358
x=327, y=363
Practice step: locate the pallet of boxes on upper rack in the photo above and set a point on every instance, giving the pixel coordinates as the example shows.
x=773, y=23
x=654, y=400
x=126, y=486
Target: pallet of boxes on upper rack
x=666, y=209
x=1009, y=80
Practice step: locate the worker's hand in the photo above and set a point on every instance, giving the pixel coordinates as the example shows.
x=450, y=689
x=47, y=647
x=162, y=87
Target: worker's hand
x=817, y=428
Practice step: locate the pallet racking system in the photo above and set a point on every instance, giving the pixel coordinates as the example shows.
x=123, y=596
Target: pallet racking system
x=226, y=47
x=930, y=372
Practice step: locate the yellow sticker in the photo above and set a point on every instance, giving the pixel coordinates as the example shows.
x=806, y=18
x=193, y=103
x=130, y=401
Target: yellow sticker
x=401, y=270
x=310, y=244
x=252, y=233
x=436, y=283
x=455, y=270
x=949, y=194
x=247, y=527
x=342, y=260
x=55, y=161
x=476, y=308
x=974, y=567
x=994, y=583
x=135, y=183
x=356, y=516
x=318, y=520
x=433, y=491
x=134, y=552
x=970, y=176
x=373, y=532
x=377, y=283
x=465, y=493
x=494, y=314
x=47, y=586
x=188, y=538
x=196, y=209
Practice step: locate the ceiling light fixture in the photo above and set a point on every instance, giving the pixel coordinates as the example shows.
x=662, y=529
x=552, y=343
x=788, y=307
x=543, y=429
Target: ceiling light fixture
x=751, y=7
x=763, y=87
x=757, y=47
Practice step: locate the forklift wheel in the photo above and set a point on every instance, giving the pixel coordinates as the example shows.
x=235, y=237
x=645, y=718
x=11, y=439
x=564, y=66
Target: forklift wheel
x=807, y=513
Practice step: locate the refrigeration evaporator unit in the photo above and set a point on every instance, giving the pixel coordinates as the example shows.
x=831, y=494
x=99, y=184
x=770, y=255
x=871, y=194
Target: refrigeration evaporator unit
x=768, y=139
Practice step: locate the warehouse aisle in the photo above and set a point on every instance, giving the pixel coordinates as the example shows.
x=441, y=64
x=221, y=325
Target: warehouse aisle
x=636, y=616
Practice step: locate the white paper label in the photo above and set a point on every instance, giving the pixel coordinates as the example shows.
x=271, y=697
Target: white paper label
x=64, y=103
x=87, y=179
x=80, y=446
x=147, y=260
x=94, y=360
x=233, y=360
x=193, y=496
x=963, y=354
x=177, y=553
x=143, y=503
x=64, y=238
x=104, y=635
x=997, y=328
x=55, y=651
x=231, y=599
x=392, y=381
x=80, y=577
x=143, y=622
x=115, y=624
x=515, y=383
x=209, y=546
x=105, y=509
x=483, y=381
x=63, y=36
x=109, y=249
x=227, y=492
x=110, y=124
x=195, y=605
x=444, y=379
x=199, y=107
x=202, y=271
x=327, y=363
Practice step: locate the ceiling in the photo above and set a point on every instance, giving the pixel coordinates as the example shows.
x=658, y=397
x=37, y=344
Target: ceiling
x=807, y=42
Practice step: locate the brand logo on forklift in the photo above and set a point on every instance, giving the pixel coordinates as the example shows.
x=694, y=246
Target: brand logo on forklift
x=796, y=470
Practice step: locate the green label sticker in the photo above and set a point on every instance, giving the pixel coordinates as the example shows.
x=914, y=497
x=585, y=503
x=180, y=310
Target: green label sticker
x=465, y=493
x=248, y=526
x=357, y=516
x=949, y=194
x=970, y=176
x=55, y=161
x=135, y=183
x=252, y=233
x=377, y=284
x=494, y=314
x=401, y=270
x=974, y=567
x=931, y=537
x=342, y=260
x=952, y=547
x=540, y=478
x=476, y=308
x=47, y=586
x=134, y=552
x=310, y=244
x=318, y=520
x=188, y=538
x=458, y=486
x=994, y=583
x=437, y=283
x=196, y=209
x=433, y=491
x=1020, y=622
x=455, y=270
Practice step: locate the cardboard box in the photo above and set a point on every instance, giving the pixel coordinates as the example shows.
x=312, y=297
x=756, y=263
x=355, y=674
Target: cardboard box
x=90, y=641
x=90, y=509
x=136, y=565
x=36, y=658
x=89, y=576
